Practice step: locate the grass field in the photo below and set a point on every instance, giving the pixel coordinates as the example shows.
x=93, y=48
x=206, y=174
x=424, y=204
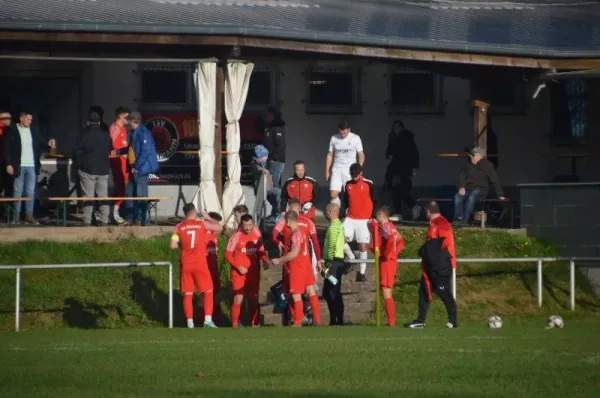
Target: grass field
x=114, y=298
x=520, y=360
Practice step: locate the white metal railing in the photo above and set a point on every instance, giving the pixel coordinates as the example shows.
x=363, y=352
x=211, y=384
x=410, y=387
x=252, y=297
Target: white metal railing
x=260, y=202
x=18, y=269
x=540, y=261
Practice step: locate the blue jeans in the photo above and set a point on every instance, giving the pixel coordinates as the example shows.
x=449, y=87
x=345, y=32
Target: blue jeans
x=464, y=204
x=274, y=199
x=276, y=170
x=24, y=187
x=135, y=210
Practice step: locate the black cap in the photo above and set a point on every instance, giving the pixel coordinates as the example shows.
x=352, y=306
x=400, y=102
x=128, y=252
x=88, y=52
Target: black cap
x=94, y=117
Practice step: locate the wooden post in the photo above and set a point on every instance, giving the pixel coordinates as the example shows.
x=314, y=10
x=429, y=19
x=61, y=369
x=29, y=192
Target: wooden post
x=480, y=110
x=219, y=131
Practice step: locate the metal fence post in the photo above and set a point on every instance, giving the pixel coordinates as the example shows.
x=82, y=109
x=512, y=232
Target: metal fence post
x=170, y=296
x=539, y=283
x=18, y=300
x=572, y=283
x=454, y=283
x=377, y=288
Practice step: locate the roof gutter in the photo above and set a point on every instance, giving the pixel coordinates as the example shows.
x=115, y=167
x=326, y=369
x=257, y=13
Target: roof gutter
x=341, y=38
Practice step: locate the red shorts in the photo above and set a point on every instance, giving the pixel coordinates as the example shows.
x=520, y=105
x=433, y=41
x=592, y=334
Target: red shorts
x=387, y=273
x=248, y=284
x=198, y=277
x=297, y=279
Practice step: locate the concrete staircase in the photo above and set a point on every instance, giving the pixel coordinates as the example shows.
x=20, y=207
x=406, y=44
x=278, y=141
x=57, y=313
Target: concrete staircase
x=359, y=297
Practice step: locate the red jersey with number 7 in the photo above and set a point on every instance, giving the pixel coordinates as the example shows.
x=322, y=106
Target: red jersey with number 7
x=192, y=243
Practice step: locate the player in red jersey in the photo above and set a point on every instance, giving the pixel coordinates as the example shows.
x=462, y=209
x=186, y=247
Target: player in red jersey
x=118, y=164
x=390, y=247
x=296, y=261
x=212, y=258
x=310, y=231
x=190, y=237
x=245, y=251
x=438, y=260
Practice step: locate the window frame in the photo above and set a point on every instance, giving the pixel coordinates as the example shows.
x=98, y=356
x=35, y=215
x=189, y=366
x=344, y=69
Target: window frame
x=188, y=105
x=354, y=69
x=274, y=73
x=438, y=86
x=569, y=140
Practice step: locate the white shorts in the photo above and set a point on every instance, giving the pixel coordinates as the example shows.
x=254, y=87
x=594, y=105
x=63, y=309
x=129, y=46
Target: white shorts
x=339, y=177
x=357, y=229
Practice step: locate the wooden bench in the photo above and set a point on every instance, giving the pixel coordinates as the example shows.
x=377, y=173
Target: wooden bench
x=152, y=204
x=511, y=206
x=6, y=202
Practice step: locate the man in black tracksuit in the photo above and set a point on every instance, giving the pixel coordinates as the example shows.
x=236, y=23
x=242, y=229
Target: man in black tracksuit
x=274, y=141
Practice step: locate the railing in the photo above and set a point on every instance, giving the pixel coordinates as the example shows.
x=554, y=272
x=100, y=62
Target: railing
x=260, y=203
x=18, y=268
x=540, y=262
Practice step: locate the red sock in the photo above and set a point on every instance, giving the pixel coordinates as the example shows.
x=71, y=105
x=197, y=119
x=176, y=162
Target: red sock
x=253, y=313
x=316, y=309
x=291, y=308
x=188, y=307
x=298, y=312
x=208, y=304
x=390, y=310
x=235, y=315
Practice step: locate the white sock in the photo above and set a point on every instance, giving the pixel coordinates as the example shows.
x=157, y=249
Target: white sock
x=208, y=318
x=348, y=252
x=363, y=266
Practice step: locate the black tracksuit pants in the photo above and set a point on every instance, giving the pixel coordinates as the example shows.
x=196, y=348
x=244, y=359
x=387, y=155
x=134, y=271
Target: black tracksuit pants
x=333, y=293
x=401, y=192
x=442, y=286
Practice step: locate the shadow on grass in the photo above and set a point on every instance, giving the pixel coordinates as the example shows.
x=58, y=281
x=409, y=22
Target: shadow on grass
x=154, y=301
x=77, y=314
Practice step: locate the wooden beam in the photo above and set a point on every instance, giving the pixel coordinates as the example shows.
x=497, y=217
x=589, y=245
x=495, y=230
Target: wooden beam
x=219, y=131
x=480, y=110
x=312, y=47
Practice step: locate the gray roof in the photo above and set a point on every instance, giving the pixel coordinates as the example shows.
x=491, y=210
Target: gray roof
x=553, y=29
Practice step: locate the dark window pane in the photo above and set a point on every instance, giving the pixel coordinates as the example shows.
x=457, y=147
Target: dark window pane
x=577, y=105
x=413, y=89
x=331, y=88
x=501, y=93
x=164, y=87
x=259, y=92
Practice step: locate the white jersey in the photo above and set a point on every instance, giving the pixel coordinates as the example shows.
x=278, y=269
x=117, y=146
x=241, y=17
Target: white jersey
x=345, y=149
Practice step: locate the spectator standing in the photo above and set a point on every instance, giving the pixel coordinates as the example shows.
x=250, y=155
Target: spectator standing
x=301, y=187
x=5, y=179
x=100, y=111
x=403, y=154
x=474, y=183
x=345, y=149
x=274, y=141
x=23, y=147
x=93, y=165
x=142, y=161
x=118, y=164
x=438, y=259
x=259, y=167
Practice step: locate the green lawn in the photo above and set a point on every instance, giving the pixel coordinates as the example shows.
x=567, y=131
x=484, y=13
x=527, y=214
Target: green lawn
x=520, y=360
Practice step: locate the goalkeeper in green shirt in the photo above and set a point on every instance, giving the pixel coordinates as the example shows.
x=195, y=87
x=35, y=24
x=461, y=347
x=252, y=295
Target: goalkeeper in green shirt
x=334, y=267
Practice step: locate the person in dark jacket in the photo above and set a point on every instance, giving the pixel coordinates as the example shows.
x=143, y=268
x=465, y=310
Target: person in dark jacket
x=23, y=146
x=474, y=184
x=142, y=161
x=6, y=185
x=100, y=111
x=92, y=162
x=274, y=141
x=403, y=154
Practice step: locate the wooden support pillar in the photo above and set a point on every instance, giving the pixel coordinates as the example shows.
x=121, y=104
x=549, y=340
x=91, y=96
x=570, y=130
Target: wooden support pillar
x=480, y=110
x=219, y=130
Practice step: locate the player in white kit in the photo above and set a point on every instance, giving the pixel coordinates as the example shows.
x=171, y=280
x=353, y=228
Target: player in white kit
x=345, y=148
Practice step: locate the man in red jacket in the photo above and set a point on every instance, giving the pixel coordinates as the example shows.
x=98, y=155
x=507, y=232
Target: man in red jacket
x=301, y=187
x=118, y=164
x=438, y=260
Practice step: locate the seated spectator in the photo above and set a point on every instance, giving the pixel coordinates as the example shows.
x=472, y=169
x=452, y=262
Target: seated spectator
x=474, y=184
x=142, y=161
x=93, y=165
x=259, y=167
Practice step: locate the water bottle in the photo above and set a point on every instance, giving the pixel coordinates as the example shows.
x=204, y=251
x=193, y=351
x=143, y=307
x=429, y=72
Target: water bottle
x=332, y=279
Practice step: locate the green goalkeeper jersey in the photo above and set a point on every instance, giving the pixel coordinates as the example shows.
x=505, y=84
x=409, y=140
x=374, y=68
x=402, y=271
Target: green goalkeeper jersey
x=334, y=241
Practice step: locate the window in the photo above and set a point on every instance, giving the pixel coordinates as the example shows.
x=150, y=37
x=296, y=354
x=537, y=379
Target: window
x=263, y=90
x=413, y=91
x=506, y=96
x=166, y=87
x=569, y=112
x=332, y=89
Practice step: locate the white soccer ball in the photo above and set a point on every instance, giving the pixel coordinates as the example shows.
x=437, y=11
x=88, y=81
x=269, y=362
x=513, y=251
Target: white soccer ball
x=555, y=321
x=494, y=322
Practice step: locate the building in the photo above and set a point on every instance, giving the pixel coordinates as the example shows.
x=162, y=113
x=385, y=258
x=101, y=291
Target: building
x=368, y=62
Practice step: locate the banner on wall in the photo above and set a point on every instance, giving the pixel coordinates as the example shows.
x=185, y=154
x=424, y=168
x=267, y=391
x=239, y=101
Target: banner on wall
x=176, y=138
